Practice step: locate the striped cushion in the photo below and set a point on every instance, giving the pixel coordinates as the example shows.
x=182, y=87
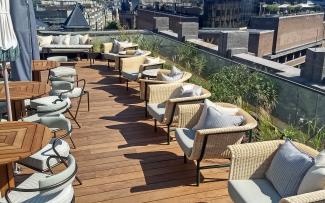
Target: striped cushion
x=287, y=169
x=215, y=119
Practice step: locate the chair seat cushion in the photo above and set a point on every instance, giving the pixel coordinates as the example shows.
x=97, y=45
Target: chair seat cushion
x=76, y=92
x=38, y=160
x=130, y=76
x=109, y=56
x=157, y=111
x=64, y=196
x=252, y=191
x=32, y=118
x=46, y=101
x=185, y=138
x=63, y=71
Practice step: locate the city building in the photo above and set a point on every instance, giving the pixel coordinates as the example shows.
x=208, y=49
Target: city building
x=290, y=37
x=55, y=12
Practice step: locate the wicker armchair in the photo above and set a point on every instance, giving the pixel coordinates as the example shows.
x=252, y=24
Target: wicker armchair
x=144, y=83
x=250, y=162
x=163, y=101
x=132, y=67
x=109, y=55
x=209, y=143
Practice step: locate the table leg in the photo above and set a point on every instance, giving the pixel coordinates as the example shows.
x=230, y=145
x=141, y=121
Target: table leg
x=18, y=109
x=36, y=75
x=6, y=178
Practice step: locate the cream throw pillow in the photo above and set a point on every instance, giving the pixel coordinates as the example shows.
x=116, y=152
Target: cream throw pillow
x=315, y=177
x=84, y=39
x=44, y=40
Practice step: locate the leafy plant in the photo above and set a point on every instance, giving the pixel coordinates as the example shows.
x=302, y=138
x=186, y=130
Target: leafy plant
x=188, y=56
x=236, y=83
x=272, y=8
x=266, y=129
x=96, y=45
x=112, y=25
x=307, y=132
x=151, y=44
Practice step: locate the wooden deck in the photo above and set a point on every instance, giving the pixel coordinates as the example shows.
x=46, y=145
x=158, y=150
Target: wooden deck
x=122, y=159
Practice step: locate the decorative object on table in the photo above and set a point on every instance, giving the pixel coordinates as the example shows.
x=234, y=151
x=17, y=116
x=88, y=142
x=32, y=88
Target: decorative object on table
x=8, y=47
x=24, y=24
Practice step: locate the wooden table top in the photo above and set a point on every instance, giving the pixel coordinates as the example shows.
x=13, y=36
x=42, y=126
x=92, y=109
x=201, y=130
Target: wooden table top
x=19, y=140
x=20, y=90
x=42, y=65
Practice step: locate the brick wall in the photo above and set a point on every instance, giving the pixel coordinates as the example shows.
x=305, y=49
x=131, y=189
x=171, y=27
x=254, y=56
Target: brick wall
x=260, y=42
x=291, y=31
x=145, y=19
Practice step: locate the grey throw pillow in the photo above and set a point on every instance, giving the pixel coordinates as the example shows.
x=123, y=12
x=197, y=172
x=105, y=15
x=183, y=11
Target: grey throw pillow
x=116, y=47
x=175, y=71
x=215, y=119
x=75, y=40
x=287, y=169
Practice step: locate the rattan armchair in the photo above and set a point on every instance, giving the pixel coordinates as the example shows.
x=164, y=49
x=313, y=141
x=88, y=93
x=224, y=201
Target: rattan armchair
x=109, y=55
x=209, y=143
x=132, y=67
x=250, y=162
x=163, y=102
x=144, y=83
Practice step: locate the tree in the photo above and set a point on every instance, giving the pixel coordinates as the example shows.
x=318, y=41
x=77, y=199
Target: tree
x=112, y=25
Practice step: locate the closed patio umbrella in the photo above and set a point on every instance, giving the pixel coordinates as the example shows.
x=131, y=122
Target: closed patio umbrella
x=8, y=46
x=24, y=24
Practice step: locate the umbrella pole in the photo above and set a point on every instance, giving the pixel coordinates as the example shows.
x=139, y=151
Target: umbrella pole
x=5, y=75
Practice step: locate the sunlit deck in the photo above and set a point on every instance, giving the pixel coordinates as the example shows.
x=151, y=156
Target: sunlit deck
x=122, y=159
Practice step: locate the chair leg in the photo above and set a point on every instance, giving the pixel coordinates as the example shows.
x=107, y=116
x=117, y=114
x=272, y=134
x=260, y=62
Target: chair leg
x=79, y=181
x=198, y=173
x=74, y=145
x=75, y=120
x=127, y=85
x=155, y=125
x=79, y=102
x=77, y=78
x=168, y=135
x=185, y=159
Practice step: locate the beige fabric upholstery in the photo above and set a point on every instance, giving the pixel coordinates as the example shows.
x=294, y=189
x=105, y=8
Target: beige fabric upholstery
x=166, y=93
x=106, y=47
x=129, y=53
x=137, y=64
x=251, y=160
x=219, y=138
x=143, y=82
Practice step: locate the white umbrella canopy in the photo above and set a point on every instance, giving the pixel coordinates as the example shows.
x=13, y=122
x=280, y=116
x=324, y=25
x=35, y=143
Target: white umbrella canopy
x=8, y=46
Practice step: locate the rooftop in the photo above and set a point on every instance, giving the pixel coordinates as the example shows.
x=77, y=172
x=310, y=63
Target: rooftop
x=121, y=159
